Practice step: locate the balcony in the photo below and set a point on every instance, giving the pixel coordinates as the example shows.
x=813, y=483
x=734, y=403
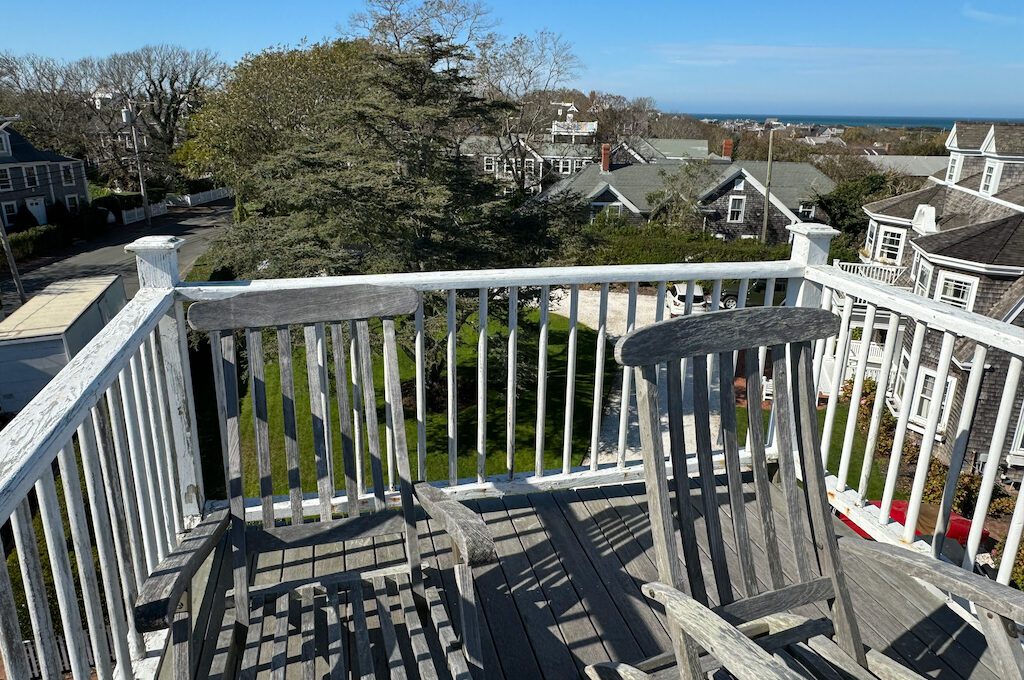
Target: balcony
x=103, y=474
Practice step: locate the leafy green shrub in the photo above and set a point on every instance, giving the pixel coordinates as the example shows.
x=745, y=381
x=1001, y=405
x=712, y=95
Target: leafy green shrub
x=38, y=241
x=1017, y=573
x=23, y=219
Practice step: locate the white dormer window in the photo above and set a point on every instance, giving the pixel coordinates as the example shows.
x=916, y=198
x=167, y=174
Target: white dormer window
x=953, y=171
x=739, y=185
x=990, y=178
x=736, y=208
x=5, y=144
x=956, y=289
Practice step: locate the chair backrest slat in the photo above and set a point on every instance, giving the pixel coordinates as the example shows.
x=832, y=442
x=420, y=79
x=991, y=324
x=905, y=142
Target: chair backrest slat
x=734, y=476
x=708, y=484
x=341, y=385
x=362, y=334
x=316, y=372
x=681, y=479
x=291, y=442
x=261, y=429
x=795, y=512
x=755, y=449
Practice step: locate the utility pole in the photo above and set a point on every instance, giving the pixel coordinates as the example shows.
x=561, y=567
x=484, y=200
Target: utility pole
x=128, y=116
x=11, y=264
x=767, y=189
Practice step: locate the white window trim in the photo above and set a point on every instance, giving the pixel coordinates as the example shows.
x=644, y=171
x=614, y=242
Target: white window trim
x=1017, y=443
x=740, y=184
x=599, y=207
x=78, y=202
x=35, y=176
x=70, y=167
x=993, y=181
x=876, y=252
x=489, y=164
x=3, y=212
x=5, y=144
x=809, y=210
x=742, y=209
x=953, y=169
x=6, y=184
x=921, y=264
x=869, y=242
x=947, y=398
x=972, y=281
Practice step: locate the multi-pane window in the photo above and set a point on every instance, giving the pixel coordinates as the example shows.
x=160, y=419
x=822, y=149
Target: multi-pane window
x=67, y=174
x=1017, y=445
x=71, y=200
x=488, y=163
x=5, y=144
x=10, y=211
x=806, y=211
x=956, y=289
x=951, y=171
x=890, y=244
x=31, y=178
x=5, y=179
x=869, y=245
x=925, y=393
x=988, y=178
x=736, y=205
x=922, y=276
x=564, y=166
x=529, y=165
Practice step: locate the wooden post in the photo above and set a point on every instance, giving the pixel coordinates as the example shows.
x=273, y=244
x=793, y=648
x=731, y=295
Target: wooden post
x=157, y=261
x=810, y=247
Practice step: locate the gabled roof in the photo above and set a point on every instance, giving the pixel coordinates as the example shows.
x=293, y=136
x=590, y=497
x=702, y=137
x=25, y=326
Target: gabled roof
x=913, y=166
x=905, y=205
x=1007, y=139
x=999, y=242
x=22, y=151
x=630, y=182
x=792, y=182
x=969, y=135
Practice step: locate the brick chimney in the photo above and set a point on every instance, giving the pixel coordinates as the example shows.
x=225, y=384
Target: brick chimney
x=727, y=148
x=606, y=157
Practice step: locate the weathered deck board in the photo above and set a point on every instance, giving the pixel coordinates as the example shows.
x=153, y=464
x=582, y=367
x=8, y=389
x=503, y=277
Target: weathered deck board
x=565, y=591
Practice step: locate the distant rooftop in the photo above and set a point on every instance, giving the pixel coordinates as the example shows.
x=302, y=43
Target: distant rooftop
x=54, y=309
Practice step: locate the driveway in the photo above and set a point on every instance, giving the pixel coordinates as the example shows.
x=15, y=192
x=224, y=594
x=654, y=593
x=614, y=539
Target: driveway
x=199, y=226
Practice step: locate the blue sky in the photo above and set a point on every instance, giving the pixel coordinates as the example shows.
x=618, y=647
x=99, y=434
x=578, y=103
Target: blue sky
x=871, y=57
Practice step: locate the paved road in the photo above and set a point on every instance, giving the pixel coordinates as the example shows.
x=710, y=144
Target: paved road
x=198, y=226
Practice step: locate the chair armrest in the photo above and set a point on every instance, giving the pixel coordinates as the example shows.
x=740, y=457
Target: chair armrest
x=984, y=592
x=161, y=591
x=465, y=527
x=724, y=641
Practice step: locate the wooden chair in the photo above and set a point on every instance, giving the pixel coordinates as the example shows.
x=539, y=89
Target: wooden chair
x=326, y=617
x=750, y=632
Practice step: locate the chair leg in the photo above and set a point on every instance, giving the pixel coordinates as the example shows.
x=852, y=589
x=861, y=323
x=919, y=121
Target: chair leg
x=469, y=618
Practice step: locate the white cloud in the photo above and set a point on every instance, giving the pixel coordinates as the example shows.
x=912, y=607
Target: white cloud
x=973, y=13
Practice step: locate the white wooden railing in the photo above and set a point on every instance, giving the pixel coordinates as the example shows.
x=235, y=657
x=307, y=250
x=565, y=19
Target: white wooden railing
x=121, y=415
x=199, y=198
x=883, y=273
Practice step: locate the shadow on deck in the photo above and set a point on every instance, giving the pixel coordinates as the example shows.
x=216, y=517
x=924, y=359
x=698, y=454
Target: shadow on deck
x=565, y=592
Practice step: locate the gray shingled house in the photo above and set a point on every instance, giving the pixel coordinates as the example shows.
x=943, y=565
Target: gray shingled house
x=960, y=240
x=36, y=179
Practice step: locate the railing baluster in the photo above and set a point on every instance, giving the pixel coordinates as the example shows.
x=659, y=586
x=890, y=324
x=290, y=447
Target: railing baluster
x=838, y=372
x=858, y=389
x=881, y=387
x=316, y=375
x=261, y=426
x=712, y=359
x=570, y=380
x=134, y=508
x=453, y=402
x=625, y=395
x=421, y=396
x=291, y=435
x=357, y=406
x=161, y=516
x=542, y=380
x=481, y=387
x=906, y=402
x=1004, y=416
x=956, y=456
x=341, y=384
x=15, y=659
x=819, y=345
x=151, y=527
x=35, y=591
x=931, y=427
x=510, y=393
x=165, y=431
x=63, y=579
x=602, y=346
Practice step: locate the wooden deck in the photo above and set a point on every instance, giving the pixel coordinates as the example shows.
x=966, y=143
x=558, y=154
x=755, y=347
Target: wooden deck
x=566, y=590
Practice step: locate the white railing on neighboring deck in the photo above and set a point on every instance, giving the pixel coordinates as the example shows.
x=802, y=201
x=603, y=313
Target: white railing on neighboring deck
x=883, y=273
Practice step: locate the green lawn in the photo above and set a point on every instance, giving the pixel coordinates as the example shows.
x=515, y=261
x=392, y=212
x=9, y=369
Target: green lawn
x=436, y=421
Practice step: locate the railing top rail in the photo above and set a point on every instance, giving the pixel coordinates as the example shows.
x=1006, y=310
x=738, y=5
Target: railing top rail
x=994, y=333
x=500, y=278
x=31, y=441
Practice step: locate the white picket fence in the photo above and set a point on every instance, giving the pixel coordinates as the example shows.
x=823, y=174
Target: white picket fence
x=139, y=214
x=189, y=200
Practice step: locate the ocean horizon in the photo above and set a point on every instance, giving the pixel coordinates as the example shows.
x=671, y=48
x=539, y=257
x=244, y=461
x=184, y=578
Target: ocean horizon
x=939, y=122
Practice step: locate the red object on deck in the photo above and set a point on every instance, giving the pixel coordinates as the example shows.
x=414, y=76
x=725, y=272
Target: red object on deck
x=959, y=526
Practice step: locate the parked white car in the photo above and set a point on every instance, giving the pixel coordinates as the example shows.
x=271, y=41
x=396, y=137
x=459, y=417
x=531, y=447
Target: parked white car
x=676, y=299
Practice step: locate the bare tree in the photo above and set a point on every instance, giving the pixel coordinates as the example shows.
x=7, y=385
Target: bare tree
x=522, y=72
x=399, y=24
